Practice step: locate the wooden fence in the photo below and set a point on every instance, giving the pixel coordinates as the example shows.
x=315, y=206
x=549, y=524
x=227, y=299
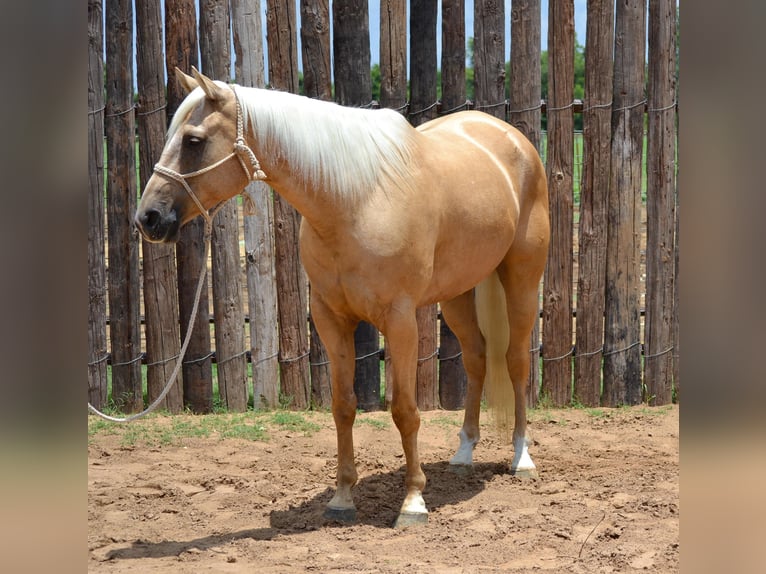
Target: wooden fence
x=613, y=255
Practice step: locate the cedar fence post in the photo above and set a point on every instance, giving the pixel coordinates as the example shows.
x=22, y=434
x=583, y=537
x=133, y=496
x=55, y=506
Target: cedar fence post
x=660, y=203
x=258, y=226
x=557, y=289
x=422, y=109
x=594, y=193
x=351, y=43
x=163, y=342
x=525, y=113
x=317, y=83
x=452, y=375
x=291, y=280
x=97, y=345
x=622, y=344
x=124, y=295
x=181, y=52
x=393, y=94
x=231, y=362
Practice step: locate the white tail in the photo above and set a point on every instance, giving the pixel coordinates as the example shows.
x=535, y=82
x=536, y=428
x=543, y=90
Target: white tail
x=492, y=315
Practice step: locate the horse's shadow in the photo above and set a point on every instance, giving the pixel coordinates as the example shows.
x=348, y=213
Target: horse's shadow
x=377, y=498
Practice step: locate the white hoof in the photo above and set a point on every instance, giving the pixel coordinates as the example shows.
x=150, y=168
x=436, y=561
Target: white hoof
x=522, y=463
x=464, y=454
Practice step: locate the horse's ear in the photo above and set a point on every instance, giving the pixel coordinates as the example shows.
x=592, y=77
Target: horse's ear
x=187, y=82
x=211, y=89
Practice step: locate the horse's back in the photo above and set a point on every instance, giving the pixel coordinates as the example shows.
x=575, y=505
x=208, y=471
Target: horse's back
x=471, y=150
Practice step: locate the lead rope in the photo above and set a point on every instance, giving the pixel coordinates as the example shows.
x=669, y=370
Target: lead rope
x=240, y=149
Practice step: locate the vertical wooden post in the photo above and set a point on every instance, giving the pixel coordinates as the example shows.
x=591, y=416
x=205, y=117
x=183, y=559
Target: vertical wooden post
x=422, y=109
x=291, y=281
x=163, y=342
x=452, y=375
x=660, y=203
x=489, y=54
x=315, y=49
x=97, y=346
x=258, y=226
x=124, y=295
x=393, y=93
x=525, y=105
x=353, y=87
x=594, y=193
x=622, y=329
x=393, y=55
x=557, y=290
x=181, y=52
x=215, y=39
x=317, y=83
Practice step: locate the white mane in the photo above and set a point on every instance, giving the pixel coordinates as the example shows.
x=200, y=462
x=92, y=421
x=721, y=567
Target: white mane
x=344, y=151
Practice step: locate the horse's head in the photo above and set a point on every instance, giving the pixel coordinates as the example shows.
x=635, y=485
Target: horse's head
x=200, y=165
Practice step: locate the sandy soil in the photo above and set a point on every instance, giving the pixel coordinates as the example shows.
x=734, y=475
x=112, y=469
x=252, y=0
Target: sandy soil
x=606, y=499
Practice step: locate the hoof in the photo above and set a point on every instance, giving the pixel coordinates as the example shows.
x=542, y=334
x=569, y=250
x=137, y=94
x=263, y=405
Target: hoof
x=406, y=519
x=524, y=472
x=461, y=469
x=344, y=515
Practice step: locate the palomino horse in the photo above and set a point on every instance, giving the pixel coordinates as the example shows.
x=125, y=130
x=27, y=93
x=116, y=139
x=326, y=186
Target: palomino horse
x=454, y=212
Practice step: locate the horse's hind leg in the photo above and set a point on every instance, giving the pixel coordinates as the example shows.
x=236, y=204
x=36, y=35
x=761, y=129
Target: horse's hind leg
x=338, y=337
x=520, y=274
x=460, y=314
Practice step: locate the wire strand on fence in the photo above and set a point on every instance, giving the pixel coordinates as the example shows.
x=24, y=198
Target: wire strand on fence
x=491, y=106
x=625, y=350
x=569, y=105
x=564, y=356
x=591, y=353
x=264, y=359
x=227, y=359
x=429, y=357
x=122, y=113
x=670, y=107
x=451, y=357
x=532, y=109
x=154, y=111
x=368, y=355
x=293, y=359
x=641, y=103
x=136, y=360
x=97, y=361
x=466, y=105
x=427, y=108
x=200, y=359
x=163, y=361
x=597, y=106
x=98, y=111
x=655, y=355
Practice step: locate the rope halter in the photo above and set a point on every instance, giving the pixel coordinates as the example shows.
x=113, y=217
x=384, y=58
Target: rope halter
x=242, y=152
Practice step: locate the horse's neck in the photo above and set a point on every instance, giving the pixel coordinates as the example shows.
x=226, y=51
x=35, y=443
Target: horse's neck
x=320, y=207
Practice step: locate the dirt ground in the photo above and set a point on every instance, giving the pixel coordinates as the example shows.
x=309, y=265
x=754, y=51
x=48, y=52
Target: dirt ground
x=606, y=499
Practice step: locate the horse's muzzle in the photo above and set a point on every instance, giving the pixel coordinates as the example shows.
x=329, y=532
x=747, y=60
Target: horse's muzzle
x=156, y=227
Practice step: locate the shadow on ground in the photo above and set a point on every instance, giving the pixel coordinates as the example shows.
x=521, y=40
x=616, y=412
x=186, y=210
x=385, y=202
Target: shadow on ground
x=377, y=497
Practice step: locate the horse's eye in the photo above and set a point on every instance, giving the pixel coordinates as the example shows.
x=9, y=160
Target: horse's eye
x=193, y=141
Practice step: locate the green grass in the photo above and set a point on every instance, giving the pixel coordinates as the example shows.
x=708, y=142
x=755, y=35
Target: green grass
x=162, y=429
x=374, y=423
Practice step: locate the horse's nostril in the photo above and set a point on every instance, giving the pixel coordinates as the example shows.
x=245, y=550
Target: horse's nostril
x=151, y=218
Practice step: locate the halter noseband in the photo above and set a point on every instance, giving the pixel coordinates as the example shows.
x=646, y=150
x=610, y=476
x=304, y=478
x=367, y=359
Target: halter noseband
x=241, y=151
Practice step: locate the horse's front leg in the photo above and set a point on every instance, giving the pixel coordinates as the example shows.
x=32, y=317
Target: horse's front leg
x=337, y=334
x=402, y=334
